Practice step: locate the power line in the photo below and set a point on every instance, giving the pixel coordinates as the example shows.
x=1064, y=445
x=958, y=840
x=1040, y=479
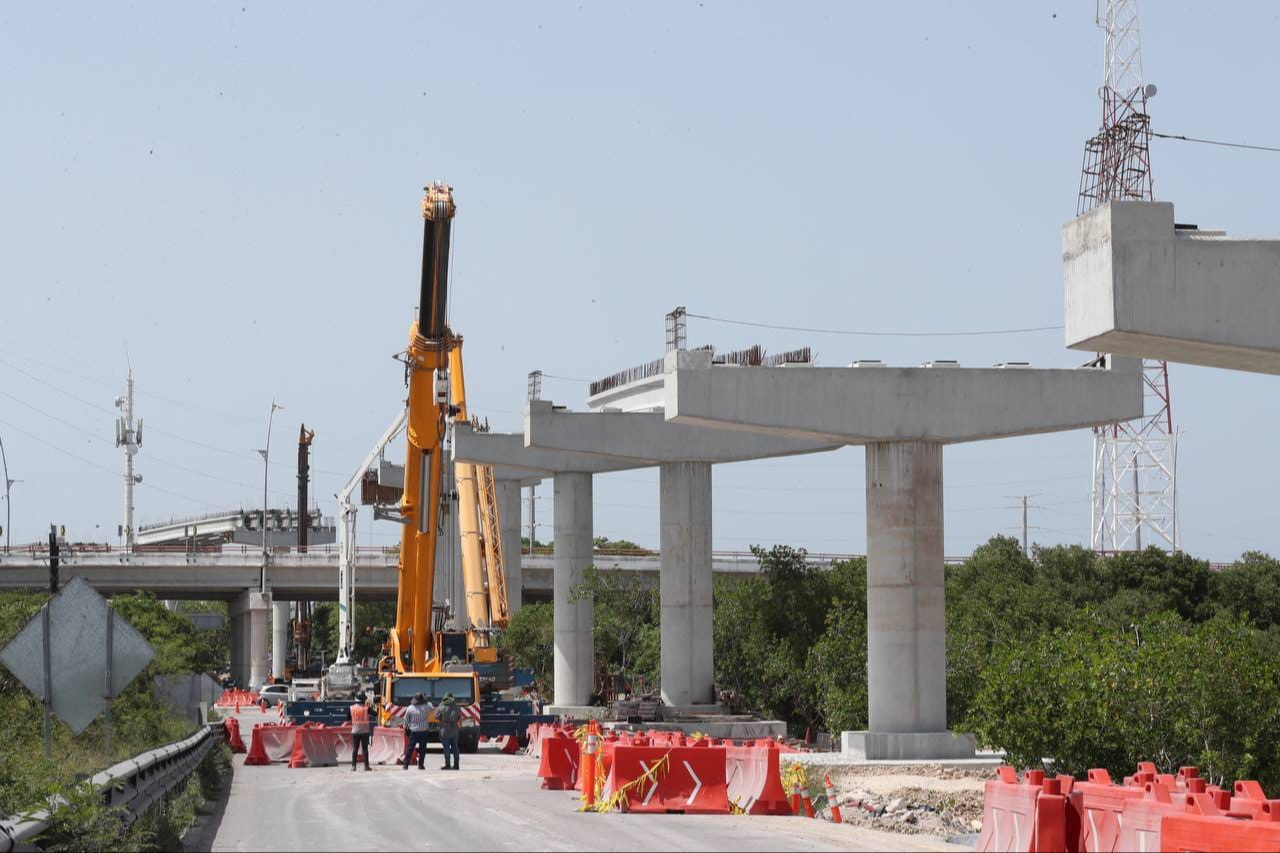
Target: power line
x=93, y=464
x=877, y=334
x=152, y=428
x=1180, y=138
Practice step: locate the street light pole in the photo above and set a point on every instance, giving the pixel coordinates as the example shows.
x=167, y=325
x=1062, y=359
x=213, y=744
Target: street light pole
x=266, y=468
x=8, y=510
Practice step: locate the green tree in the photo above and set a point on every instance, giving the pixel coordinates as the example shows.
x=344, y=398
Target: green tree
x=1250, y=587
x=626, y=634
x=837, y=663
x=530, y=640
x=765, y=627
x=1165, y=690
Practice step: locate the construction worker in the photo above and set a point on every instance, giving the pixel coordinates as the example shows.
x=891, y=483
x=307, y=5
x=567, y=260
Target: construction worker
x=415, y=721
x=447, y=716
x=360, y=729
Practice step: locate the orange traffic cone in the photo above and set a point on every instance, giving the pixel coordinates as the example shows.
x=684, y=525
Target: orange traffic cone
x=831, y=798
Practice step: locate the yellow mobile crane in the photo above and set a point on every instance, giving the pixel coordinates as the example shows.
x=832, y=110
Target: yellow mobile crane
x=420, y=658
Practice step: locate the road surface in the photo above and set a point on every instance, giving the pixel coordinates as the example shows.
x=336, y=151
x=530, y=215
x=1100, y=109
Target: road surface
x=493, y=803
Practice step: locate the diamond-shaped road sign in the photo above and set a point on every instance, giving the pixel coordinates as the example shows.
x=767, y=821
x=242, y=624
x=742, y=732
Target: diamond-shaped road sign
x=78, y=654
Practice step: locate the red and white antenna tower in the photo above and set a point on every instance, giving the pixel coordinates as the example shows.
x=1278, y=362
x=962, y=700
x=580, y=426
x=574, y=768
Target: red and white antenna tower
x=1135, y=484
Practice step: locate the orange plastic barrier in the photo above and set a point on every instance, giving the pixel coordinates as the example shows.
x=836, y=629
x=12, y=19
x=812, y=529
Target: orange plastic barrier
x=257, y=756
x=1141, y=820
x=1034, y=815
x=235, y=698
x=387, y=745
x=1212, y=833
x=660, y=779
x=754, y=779
x=314, y=746
x=558, y=768
x=231, y=727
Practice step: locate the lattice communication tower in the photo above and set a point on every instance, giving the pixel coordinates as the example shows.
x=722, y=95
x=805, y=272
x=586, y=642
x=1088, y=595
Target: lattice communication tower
x=1135, y=484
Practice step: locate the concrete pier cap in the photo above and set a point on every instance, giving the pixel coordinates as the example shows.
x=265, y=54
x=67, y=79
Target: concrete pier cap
x=629, y=429
x=904, y=416
x=1138, y=284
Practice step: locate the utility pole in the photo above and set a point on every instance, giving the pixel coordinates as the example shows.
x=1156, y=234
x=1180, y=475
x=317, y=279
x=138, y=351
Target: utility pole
x=266, y=470
x=8, y=503
x=129, y=437
x=305, y=437
x=53, y=559
x=535, y=393
x=1026, y=548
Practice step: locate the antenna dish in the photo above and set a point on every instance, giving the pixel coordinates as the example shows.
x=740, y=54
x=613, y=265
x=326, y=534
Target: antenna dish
x=1149, y=90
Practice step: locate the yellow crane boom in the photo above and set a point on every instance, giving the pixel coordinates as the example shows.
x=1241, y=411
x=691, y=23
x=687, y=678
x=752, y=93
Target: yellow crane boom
x=427, y=359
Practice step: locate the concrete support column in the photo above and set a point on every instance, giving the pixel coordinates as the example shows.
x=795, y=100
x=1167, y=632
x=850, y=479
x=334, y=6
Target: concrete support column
x=249, y=638
x=574, y=620
x=688, y=669
x=906, y=639
x=279, y=637
x=239, y=671
x=509, y=522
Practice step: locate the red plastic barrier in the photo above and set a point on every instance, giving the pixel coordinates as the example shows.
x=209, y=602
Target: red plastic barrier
x=558, y=769
x=754, y=780
x=387, y=745
x=507, y=744
x=1103, y=805
x=257, y=756
x=1034, y=815
x=1212, y=833
x=314, y=746
x=1141, y=820
x=231, y=726
x=233, y=698
x=692, y=782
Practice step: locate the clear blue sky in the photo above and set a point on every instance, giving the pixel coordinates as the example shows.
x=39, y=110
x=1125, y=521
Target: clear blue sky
x=231, y=191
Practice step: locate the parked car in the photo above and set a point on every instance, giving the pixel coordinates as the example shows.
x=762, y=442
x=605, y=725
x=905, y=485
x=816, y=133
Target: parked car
x=274, y=694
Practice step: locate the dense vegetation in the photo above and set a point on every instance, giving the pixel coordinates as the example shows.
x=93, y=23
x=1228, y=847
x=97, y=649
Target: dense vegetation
x=140, y=722
x=1089, y=661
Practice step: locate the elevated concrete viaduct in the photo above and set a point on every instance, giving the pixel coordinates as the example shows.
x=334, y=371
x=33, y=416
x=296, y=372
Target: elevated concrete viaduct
x=904, y=417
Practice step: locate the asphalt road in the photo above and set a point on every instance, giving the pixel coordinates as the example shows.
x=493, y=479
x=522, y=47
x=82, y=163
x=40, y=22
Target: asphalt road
x=493, y=803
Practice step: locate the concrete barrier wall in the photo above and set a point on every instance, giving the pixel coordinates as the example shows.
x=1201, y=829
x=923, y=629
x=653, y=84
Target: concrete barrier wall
x=184, y=693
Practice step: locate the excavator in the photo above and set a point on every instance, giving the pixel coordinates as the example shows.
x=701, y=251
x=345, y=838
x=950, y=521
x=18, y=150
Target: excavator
x=420, y=656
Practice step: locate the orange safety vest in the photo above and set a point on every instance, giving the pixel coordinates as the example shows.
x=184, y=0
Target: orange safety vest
x=359, y=720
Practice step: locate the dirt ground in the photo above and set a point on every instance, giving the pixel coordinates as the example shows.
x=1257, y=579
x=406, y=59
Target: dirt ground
x=915, y=800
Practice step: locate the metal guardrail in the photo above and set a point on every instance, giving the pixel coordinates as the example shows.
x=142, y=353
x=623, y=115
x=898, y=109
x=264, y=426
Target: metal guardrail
x=136, y=784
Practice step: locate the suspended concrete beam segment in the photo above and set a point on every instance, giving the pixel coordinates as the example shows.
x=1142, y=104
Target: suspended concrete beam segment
x=574, y=621
x=684, y=455
x=1136, y=284
x=904, y=416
